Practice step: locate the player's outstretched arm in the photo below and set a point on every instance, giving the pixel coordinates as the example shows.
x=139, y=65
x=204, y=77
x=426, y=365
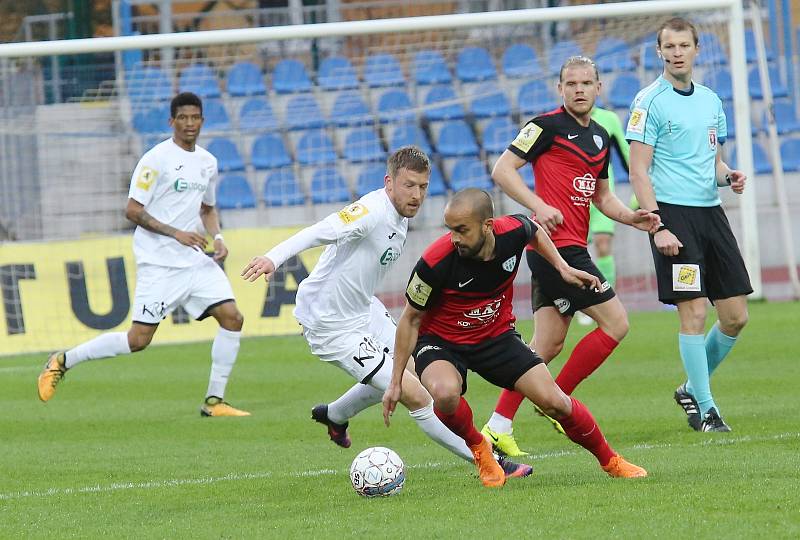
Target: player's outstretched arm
x=136, y=213
x=609, y=204
x=404, y=341
x=578, y=278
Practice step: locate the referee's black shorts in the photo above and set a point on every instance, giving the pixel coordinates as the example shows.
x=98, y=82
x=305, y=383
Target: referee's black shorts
x=709, y=265
x=501, y=360
x=548, y=289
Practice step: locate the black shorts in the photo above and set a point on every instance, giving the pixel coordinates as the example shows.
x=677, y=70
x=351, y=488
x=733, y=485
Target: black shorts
x=709, y=265
x=501, y=360
x=548, y=289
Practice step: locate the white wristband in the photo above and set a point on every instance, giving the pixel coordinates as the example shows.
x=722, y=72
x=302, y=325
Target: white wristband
x=218, y=236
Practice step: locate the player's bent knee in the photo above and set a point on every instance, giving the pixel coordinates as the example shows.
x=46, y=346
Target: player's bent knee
x=414, y=396
x=445, y=397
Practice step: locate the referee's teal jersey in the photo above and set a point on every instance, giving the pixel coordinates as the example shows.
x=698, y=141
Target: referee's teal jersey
x=684, y=128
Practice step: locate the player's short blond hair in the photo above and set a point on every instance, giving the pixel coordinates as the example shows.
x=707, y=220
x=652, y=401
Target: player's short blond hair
x=409, y=157
x=677, y=24
x=578, y=61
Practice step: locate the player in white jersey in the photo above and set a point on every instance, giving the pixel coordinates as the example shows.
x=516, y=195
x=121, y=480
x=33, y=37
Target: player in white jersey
x=171, y=199
x=343, y=322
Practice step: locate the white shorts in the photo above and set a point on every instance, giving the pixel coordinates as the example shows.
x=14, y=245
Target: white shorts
x=161, y=289
x=364, y=353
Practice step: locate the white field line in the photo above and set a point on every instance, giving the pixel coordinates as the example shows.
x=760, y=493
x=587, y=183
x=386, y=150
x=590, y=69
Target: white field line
x=236, y=477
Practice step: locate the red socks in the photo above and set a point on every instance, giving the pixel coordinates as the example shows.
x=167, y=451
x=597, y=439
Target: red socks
x=582, y=429
x=587, y=356
x=460, y=423
x=508, y=403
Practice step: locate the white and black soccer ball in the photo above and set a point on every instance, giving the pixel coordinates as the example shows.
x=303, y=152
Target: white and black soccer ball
x=377, y=472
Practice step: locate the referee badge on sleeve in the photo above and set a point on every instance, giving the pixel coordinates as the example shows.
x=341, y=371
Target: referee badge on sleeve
x=712, y=138
x=686, y=277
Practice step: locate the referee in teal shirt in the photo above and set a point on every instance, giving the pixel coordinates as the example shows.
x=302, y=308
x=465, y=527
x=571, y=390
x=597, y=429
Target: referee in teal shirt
x=676, y=130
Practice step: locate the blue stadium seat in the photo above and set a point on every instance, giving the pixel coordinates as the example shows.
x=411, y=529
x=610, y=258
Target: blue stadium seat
x=290, y=76
x=148, y=84
x=729, y=119
x=200, y=79
x=282, y=189
x=456, y=140
x=711, y=51
x=436, y=186
x=315, y=148
x=720, y=82
x=152, y=120
x=520, y=60
x=394, y=106
x=337, y=73
x=761, y=163
x=534, y=97
x=474, y=64
x=430, y=68
x=328, y=186
x=790, y=154
x=623, y=90
x=779, y=89
x=245, y=79
x=526, y=172
x=370, y=178
x=559, y=52
x=362, y=145
x=498, y=134
x=750, y=47
x=470, y=172
x=409, y=133
x=382, y=70
x=650, y=56
x=785, y=118
x=228, y=157
x=489, y=100
x=450, y=110
x=257, y=115
x=620, y=174
x=234, y=192
x=303, y=112
x=215, y=116
x=269, y=152
x=349, y=109
x=613, y=54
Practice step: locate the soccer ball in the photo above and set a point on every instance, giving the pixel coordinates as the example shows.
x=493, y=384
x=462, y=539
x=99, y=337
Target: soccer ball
x=377, y=472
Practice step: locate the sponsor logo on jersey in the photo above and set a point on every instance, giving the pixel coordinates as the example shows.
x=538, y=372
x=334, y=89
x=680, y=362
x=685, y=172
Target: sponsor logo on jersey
x=508, y=264
x=418, y=291
x=562, y=304
x=585, y=184
x=352, y=212
x=686, y=277
x=482, y=314
x=146, y=178
x=712, y=139
x=527, y=136
x=637, y=120
x=389, y=256
x=181, y=185
x=598, y=140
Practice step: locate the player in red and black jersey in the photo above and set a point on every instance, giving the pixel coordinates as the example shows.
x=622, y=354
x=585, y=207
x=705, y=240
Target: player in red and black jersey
x=569, y=153
x=458, y=316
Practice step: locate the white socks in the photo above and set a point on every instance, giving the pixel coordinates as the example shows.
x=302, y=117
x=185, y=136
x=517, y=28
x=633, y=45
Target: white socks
x=499, y=423
x=223, y=356
x=103, y=346
x=356, y=399
x=427, y=420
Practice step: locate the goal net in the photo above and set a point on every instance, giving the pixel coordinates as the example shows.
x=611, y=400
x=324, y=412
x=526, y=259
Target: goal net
x=301, y=120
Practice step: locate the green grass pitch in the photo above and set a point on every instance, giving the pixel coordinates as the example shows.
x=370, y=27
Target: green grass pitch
x=121, y=450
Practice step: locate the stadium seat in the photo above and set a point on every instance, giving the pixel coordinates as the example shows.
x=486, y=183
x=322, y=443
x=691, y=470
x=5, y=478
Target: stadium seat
x=498, y=134
x=613, y=54
x=470, y=172
x=790, y=154
x=409, y=133
x=474, y=64
x=534, y=98
x=269, y=152
x=200, y=79
x=620, y=174
x=720, y=82
x=362, y=145
x=711, y=51
x=303, y=112
x=436, y=186
x=451, y=108
x=750, y=47
x=328, y=186
x=152, y=120
x=761, y=162
x=430, y=68
x=337, y=73
x=624, y=90
x=282, y=189
x=245, y=79
x=785, y=118
x=290, y=76
x=215, y=116
x=256, y=115
x=456, y=139
x=370, y=178
x=489, y=100
x=526, y=172
x=779, y=89
x=394, y=106
x=382, y=70
x=315, y=148
x=349, y=109
x=650, y=57
x=520, y=60
x=559, y=52
x=228, y=157
x=148, y=84
x=234, y=192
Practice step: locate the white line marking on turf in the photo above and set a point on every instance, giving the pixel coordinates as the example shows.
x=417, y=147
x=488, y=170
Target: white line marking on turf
x=235, y=477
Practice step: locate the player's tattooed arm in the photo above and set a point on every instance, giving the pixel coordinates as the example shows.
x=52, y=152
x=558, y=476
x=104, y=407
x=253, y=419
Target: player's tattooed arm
x=136, y=213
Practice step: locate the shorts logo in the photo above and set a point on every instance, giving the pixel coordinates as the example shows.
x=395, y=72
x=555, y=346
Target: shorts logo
x=637, y=120
x=712, y=139
x=389, y=256
x=156, y=309
x=350, y=213
x=562, y=304
x=418, y=291
x=598, y=140
x=526, y=138
x=427, y=348
x=585, y=185
x=604, y=286
x=510, y=263
x=686, y=277
x=146, y=178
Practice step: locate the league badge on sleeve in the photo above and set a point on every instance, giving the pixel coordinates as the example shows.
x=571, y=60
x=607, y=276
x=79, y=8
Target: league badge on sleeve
x=418, y=291
x=637, y=120
x=146, y=178
x=527, y=137
x=352, y=212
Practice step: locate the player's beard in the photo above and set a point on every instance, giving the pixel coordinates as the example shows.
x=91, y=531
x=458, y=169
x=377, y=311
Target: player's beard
x=470, y=252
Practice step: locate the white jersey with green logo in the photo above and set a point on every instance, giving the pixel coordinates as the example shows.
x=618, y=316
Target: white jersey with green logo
x=171, y=183
x=369, y=236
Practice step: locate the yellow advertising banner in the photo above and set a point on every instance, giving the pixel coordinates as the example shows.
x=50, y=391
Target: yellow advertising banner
x=59, y=294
